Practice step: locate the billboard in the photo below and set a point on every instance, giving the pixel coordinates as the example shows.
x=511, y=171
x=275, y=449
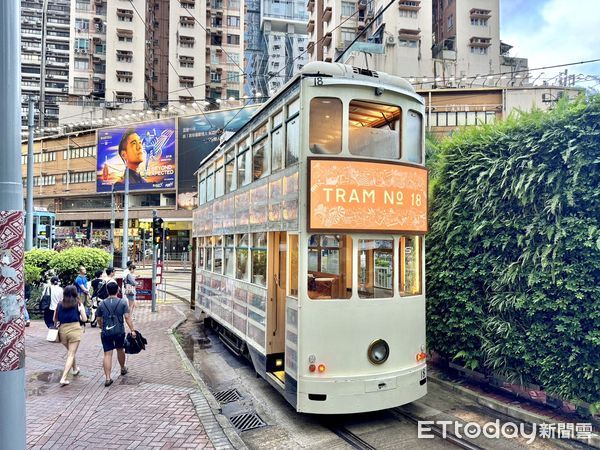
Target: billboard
x=147, y=148
x=367, y=196
x=198, y=136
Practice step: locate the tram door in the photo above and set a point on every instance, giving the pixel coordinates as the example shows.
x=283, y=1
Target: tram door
x=276, y=312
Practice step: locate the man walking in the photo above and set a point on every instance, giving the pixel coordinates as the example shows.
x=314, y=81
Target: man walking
x=112, y=313
x=83, y=289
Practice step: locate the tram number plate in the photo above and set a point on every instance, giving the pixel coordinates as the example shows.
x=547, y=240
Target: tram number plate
x=423, y=373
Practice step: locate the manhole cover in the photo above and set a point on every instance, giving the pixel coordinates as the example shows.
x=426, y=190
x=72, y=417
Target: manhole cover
x=247, y=421
x=227, y=396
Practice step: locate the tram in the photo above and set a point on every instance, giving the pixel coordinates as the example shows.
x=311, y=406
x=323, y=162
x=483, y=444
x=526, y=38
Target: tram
x=309, y=241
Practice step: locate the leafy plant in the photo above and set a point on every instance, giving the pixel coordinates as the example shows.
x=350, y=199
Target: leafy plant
x=66, y=263
x=33, y=274
x=514, y=249
x=40, y=258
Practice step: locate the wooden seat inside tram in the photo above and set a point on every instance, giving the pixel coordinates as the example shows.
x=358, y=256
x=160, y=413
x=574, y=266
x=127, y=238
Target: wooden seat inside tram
x=323, y=285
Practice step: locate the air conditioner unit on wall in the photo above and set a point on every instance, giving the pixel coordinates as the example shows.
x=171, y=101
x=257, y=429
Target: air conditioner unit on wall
x=390, y=40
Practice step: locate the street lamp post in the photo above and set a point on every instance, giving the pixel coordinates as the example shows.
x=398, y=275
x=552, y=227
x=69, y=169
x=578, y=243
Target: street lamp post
x=125, y=247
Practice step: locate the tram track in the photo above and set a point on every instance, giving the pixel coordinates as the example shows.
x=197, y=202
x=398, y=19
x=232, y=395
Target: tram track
x=353, y=439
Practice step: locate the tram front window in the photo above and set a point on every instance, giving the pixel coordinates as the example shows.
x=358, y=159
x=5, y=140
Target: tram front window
x=374, y=130
x=329, y=266
x=375, y=268
x=410, y=273
x=325, y=128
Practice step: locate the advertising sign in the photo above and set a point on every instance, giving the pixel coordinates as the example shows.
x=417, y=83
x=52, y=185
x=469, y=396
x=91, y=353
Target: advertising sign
x=198, y=136
x=147, y=148
x=362, y=195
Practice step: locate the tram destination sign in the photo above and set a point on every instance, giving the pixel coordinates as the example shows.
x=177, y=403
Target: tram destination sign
x=362, y=195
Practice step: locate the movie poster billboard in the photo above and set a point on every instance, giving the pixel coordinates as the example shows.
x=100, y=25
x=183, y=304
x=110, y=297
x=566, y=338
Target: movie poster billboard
x=148, y=149
x=198, y=136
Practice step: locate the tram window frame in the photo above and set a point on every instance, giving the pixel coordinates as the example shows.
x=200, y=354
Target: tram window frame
x=210, y=185
x=202, y=189
x=293, y=108
x=260, y=132
x=218, y=251
x=320, y=126
x=292, y=140
x=294, y=267
x=409, y=134
x=277, y=140
x=219, y=178
x=259, y=247
x=277, y=119
x=403, y=266
x=319, y=282
x=208, y=266
x=230, y=172
x=200, y=253
x=374, y=145
x=244, y=167
x=242, y=247
x=369, y=290
x=229, y=255
x=260, y=167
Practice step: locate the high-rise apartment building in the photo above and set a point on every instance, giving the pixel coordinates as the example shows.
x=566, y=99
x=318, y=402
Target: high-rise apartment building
x=45, y=30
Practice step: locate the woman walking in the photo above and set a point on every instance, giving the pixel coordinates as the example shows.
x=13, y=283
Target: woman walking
x=67, y=316
x=130, y=290
x=56, y=296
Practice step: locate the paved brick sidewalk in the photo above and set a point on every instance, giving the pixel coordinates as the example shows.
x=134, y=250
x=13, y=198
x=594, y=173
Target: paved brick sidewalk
x=148, y=408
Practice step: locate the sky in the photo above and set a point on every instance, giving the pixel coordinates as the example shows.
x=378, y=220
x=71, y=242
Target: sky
x=550, y=32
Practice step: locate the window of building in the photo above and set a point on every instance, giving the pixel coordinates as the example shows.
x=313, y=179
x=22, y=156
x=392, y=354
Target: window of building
x=233, y=21
x=82, y=5
x=329, y=266
x=186, y=61
x=82, y=24
x=259, y=258
x=81, y=45
x=80, y=177
x=233, y=58
x=233, y=77
x=479, y=50
x=123, y=97
x=325, y=127
x=233, y=4
x=80, y=83
x=124, y=56
x=186, y=81
x=410, y=265
x=407, y=43
x=450, y=21
x=409, y=14
x=186, y=21
x=241, y=256
x=82, y=64
x=375, y=268
x=479, y=22
x=233, y=39
x=215, y=77
x=125, y=15
x=348, y=8
x=233, y=93
x=88, y=151
x=186, y=41
x=347, y=35
x=188, y=4
x=44, y=180
x=124, y=77
x=374, y=129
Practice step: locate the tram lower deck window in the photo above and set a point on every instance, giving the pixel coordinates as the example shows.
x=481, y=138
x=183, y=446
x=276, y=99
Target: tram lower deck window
x=410, y=273
x=374, y=129
x=375, y=268
x=325, y=128
x=329, y=266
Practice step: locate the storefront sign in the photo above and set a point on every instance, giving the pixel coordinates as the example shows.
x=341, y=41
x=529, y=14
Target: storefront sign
x=362, y=195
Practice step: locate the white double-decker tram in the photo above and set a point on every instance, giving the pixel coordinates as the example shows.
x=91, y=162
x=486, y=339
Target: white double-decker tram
x=309, y=241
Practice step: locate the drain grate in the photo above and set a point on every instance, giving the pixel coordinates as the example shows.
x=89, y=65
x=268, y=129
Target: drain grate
x=228, y=396
x=247, y=421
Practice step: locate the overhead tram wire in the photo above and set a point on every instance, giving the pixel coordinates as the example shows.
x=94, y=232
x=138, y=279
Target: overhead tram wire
x=168, y=60
x=379, y=14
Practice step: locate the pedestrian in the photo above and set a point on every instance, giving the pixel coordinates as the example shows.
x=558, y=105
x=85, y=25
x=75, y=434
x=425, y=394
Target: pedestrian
x=27, y=297
x=112, y=315
x=129, y=287
x=96, y=282
x=55, y=292
x=67, y=316
x=83, y=288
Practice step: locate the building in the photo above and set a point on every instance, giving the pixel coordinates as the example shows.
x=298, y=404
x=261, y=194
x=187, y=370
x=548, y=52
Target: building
x=45, y=33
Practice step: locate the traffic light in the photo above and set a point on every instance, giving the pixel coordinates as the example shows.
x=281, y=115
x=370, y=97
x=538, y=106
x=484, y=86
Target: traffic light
x=157, y=230
x=167, y=231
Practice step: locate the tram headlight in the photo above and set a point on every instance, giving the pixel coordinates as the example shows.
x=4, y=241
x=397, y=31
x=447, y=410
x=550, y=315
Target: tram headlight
x=378, y=352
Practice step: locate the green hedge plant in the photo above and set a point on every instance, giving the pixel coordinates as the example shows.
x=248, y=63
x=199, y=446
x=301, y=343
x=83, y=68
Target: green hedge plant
x=66, y=263
x=513, y=265
x=40, y=258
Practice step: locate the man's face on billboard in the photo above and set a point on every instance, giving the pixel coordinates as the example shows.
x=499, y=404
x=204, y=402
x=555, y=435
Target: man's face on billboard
x=133, y=154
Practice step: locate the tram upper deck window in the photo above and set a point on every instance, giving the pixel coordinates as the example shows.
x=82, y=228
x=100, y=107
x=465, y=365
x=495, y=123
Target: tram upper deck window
x=375, y=268
x=329, y=266
x=413, y=137
x=325, y=128
x=259, y=258
x=230, y=179
x=374, y=129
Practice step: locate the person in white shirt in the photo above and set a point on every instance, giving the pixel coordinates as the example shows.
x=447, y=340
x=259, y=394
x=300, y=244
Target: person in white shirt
x=56, y=296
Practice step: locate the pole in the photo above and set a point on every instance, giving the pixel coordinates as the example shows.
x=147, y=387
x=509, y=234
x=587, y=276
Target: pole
x=125, y=249
x=42, y=102
x=143, y=248
x=12, y=327
x=112, y=226
x=154, y=248
x=29, y=217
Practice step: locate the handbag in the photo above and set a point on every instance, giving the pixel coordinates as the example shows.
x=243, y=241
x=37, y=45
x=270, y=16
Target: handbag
x=46, y=299
x=52, y=335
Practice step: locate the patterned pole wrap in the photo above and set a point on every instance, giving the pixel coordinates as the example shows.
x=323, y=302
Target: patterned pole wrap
x=12, y=325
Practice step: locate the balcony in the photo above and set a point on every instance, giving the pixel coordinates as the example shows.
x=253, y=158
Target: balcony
x=409, y=5
x=311, y=26
x=310, y=48
x=311, y=5
x=327, y=39
x=480, y=13
x=406, y=34
x=327, y=14
x=481, y=42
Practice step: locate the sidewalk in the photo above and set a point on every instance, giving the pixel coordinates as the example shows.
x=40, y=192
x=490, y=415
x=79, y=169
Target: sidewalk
x=153, y=406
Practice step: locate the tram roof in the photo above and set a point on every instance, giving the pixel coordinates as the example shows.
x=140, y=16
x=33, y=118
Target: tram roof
x=327, y=69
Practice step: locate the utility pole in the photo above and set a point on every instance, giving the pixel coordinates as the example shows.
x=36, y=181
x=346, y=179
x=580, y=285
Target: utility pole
x=125, y=249
x=12, y=326
x=154, y=248
x=42, y=103
x=29, y=217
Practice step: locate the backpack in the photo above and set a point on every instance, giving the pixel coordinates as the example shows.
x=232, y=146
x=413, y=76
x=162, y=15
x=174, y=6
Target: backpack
x=111, y=325
x=46, y=299
x=102, y=293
